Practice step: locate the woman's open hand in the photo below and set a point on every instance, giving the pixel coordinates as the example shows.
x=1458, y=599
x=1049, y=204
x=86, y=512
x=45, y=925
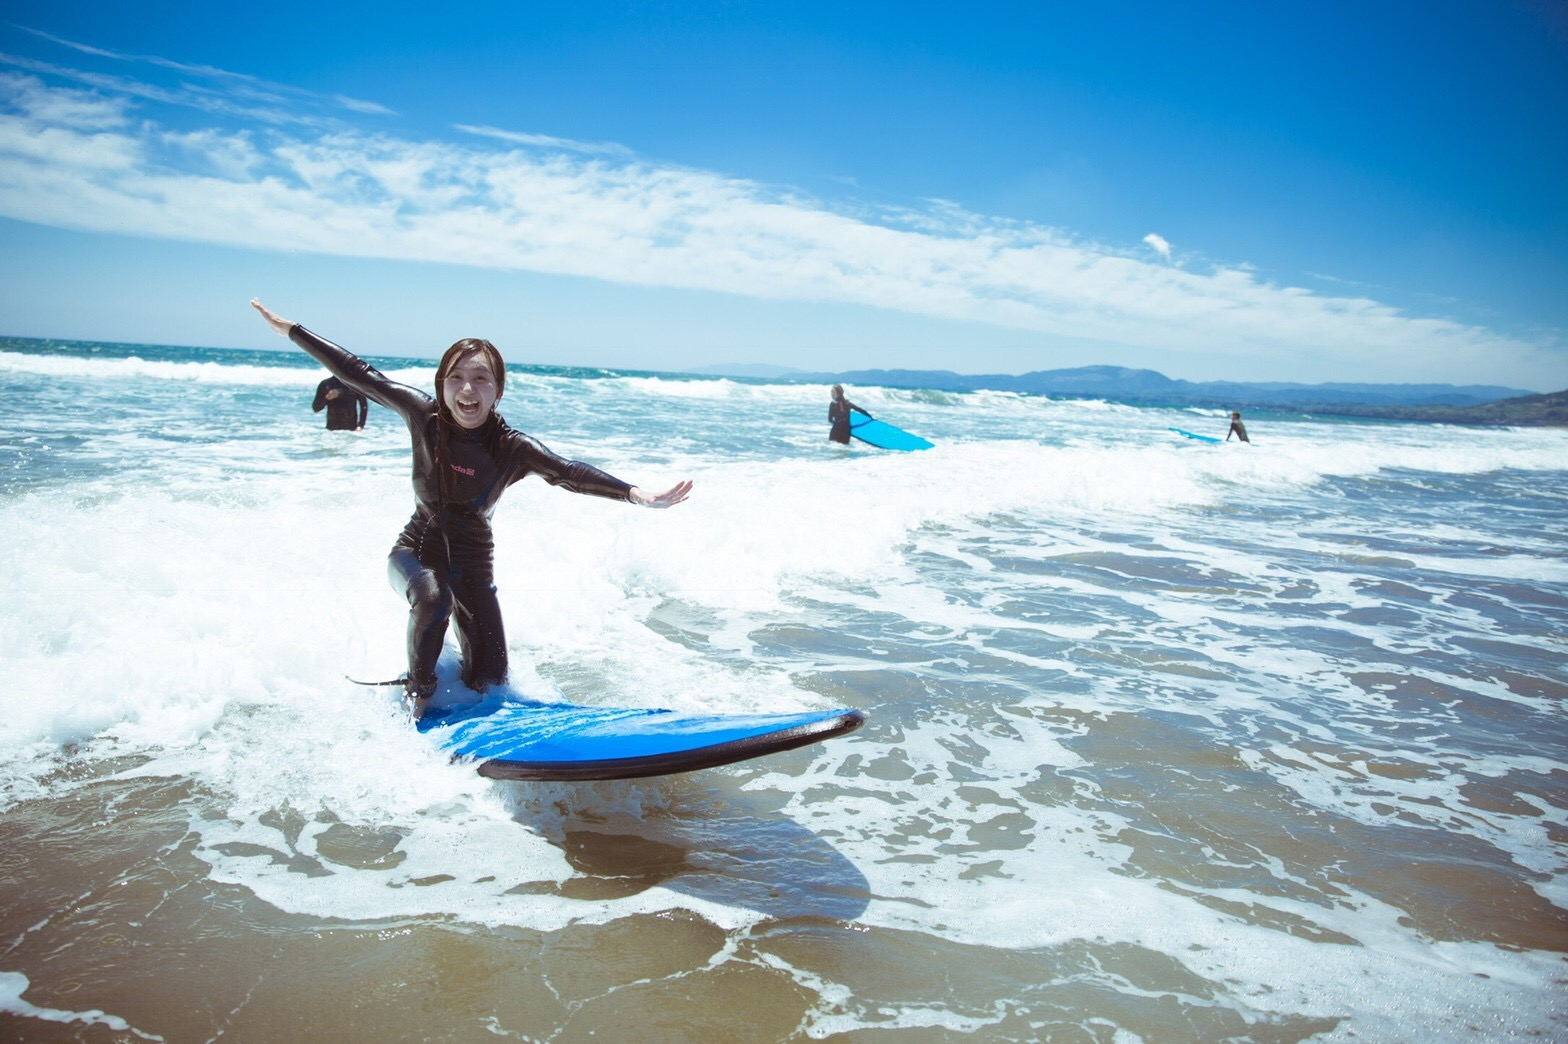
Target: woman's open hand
x=279, y=324
x=669, y=498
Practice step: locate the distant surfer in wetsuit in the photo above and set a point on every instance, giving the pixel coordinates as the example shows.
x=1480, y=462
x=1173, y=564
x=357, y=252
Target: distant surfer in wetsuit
x=838, y=415
x=1237, y=428
x=465, y=456
x=346, y=408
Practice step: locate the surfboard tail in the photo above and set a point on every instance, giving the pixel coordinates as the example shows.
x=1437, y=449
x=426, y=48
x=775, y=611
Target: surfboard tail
x=402, y=681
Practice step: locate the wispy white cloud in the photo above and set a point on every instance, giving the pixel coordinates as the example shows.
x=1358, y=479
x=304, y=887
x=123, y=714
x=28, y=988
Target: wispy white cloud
x=362, y=107
x=241, y=84
x=60, y=107
x=228, y=156
x=260, y=176
x=545, y=141
x=201, y=87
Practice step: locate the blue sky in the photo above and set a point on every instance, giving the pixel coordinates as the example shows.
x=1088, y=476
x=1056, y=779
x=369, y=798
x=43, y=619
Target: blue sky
x=1323, y=192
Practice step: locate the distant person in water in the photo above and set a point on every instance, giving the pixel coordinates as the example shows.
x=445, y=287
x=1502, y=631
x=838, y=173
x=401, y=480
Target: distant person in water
x=346, y=408
x=465, y=456
x=838, y=415
x=1237, y=428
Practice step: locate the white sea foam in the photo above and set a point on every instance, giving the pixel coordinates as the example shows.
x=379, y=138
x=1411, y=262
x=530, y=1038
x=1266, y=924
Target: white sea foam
x=14, y=984
x=191, y=583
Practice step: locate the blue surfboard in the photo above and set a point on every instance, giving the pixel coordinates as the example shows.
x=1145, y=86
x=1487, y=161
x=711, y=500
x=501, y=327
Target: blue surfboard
x=1200, y=438
x=514, y=738
x=883, y=435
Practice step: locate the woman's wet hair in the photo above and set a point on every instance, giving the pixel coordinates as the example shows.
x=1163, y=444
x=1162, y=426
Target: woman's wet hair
x=461, y=350
x=838, y=391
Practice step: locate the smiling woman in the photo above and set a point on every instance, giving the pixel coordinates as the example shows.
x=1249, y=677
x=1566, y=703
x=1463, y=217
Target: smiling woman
x=465, y=456
x=470, y=379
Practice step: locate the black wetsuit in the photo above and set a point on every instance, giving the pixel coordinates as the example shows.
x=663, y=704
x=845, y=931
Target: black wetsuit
x=347, y=412
x=442, y=559
x=838, y=416
x=1237, y=428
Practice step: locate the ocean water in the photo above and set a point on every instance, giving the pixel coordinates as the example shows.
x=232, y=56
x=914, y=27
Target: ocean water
x=1165, y=742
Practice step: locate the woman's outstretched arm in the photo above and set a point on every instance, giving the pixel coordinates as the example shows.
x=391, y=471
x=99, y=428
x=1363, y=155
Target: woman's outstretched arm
x=350, y=368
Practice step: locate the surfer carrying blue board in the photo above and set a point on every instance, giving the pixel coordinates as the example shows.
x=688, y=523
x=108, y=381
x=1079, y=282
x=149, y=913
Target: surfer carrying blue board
x=1237, y=428
x=465, y=456
x=838, y=415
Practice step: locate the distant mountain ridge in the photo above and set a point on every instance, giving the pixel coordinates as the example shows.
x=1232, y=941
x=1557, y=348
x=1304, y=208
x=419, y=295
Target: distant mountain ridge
x=1454, y=404
x=1526, y=411
x=1152, y=387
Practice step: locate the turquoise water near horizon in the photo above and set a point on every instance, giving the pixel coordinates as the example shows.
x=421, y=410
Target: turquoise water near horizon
x=1165, y=741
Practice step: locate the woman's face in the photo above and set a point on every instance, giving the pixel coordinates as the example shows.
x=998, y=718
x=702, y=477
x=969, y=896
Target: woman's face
x=469, y=390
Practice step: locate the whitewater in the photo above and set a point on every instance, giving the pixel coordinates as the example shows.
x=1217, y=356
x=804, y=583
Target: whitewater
x=1164, y=741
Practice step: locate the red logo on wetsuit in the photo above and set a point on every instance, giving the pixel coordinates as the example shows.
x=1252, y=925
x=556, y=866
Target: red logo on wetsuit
x=466, y=471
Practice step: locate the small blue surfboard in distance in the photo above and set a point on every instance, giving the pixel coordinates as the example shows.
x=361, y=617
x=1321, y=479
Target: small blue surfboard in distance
x=883, y=435
x=1200, y=438
x=515, y=738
